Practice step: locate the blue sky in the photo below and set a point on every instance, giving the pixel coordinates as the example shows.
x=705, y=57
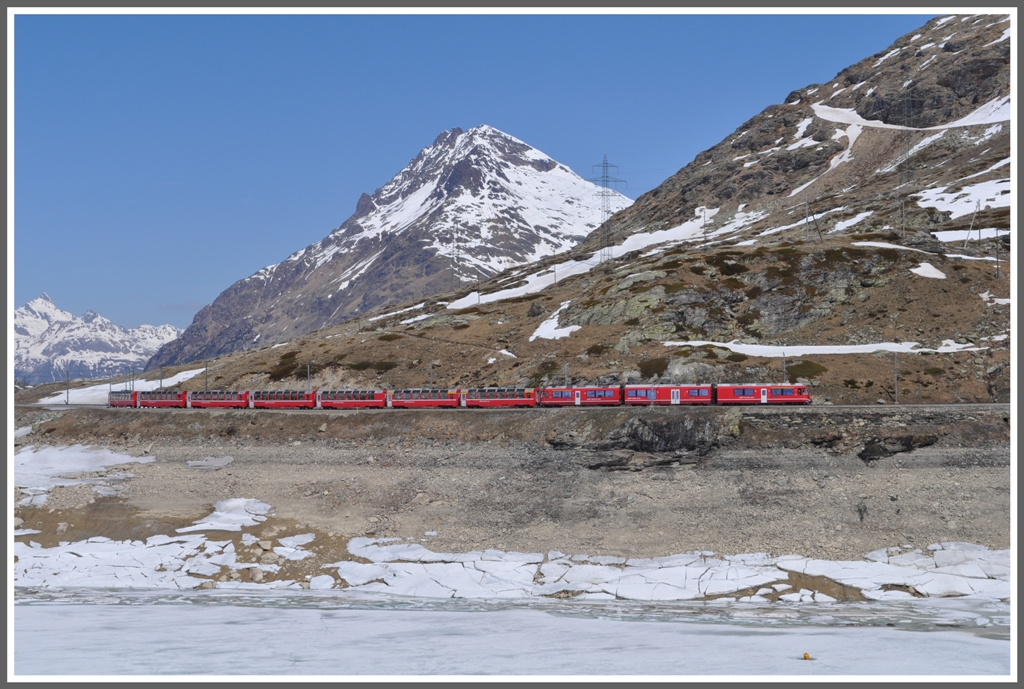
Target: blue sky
x=159, y=159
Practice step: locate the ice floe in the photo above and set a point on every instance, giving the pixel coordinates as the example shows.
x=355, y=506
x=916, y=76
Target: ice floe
x=231, y=515
x=36, y=470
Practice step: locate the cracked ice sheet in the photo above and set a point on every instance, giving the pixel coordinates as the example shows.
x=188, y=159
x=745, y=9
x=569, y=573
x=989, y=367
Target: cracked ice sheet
x=36, y=470
x=952, y=569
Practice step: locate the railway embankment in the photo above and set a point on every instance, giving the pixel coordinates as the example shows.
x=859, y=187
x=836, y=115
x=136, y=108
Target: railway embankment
x=613, y=437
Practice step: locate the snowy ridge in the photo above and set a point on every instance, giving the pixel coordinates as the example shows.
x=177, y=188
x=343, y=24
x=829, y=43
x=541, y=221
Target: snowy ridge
x=48, y=341
x=473, y=193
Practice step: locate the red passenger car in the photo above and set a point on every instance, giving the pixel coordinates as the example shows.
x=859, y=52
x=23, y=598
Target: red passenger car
x=282, y=399
x=668, y=394
x=417, y=398
x=163, y=398
x=229, y=399
x=123, y=398
x=497, y=397
x=580, y=396
x=351, y=399
x=760, y=393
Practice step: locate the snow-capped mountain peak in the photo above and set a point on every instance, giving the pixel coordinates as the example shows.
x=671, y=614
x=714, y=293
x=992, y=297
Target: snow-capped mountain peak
x=50, y=343
x=468, y=206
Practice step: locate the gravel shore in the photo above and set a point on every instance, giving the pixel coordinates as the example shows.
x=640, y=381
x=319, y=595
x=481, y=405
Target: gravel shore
x=509, y=494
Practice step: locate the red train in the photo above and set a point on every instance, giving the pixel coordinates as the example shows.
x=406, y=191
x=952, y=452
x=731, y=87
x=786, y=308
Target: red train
x=432, y=398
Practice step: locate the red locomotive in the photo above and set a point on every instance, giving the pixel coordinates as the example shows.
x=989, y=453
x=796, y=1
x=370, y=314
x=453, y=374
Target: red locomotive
x=586, y=396
x=760, y=393
x=669, y=394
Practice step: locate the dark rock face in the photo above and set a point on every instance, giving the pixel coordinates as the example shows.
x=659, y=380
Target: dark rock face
x=689, y=434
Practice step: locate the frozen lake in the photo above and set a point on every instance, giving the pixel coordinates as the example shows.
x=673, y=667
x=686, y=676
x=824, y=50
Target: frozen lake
x=394, y=607
x=319, y=633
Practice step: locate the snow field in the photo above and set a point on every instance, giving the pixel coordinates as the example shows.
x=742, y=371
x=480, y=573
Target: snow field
x=549, y=329
x=947, y=346
x=97, y=394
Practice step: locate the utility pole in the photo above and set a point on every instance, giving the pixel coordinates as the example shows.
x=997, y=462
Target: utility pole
x=308, y=388
x=67, y=386
x=895, y=380
x=783, y=366
x=704, y=225
x=565, y=370
x=998, y=274
x=431, y=374
x=977, y=207
x=807, y=211
x=206, y=385
x=161, y=377
x=605, y=181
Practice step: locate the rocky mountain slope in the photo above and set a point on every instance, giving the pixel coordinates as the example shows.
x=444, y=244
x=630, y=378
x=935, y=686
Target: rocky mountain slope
x=909, y=139
x=467, y=207
x=813, y=244
x=50, y=343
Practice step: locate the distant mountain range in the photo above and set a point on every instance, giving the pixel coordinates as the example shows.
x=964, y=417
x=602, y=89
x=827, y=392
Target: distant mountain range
x=50, y=343
x=467, y=207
